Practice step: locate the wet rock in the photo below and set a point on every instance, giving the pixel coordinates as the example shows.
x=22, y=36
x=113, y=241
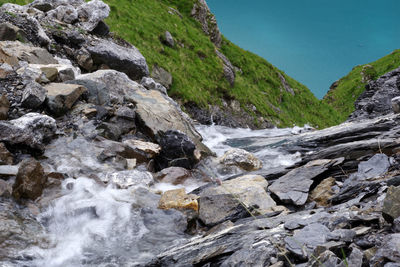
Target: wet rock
x=126, y=179
x=142, y=151
x=97, y=93
x=30, y=180
x=396, y=104
x=178, y=199
x=32, y=130
x=11, y=52
x=177, y=150
x=150, y=84
x=389, y=251
x=167, y=39
x=391, y=204
x=125, y=59
x=4, y=107
x=294, y=186
x=323, y=192
x=8, y=32
x=91, y=13
x=173, y=175
x=307, y=239
x=241, y=158
x=6, y=158
x=61, y=97
x=162, y=76
x=216, y=209
x=248, y=189
x=8, y=170
x=33, y=96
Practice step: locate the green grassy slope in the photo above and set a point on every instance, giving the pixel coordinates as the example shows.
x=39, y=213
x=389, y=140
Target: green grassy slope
x=198, y=72
x=350, y=87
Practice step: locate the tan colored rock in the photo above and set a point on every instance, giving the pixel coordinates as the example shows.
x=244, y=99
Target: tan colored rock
x=51, y=73
x=6, y=158
x=30, y=181
x=249, y=189
x=147, y=150
x=323, y=192
x=12, y=52
x=61, y=97
x=173, y=175
x=242, y=159
x=4, y=107
x=178, y=199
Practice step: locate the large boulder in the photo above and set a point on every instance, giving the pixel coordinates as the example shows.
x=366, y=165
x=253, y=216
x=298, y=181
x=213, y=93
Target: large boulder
x=248, y=189
x=30, y=181
x=61, y=97
x=126, y=59
x=12, y=52
x=242, y=159
x=32, y=130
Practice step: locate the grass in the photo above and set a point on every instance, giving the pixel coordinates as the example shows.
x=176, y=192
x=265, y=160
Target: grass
x=351, y=86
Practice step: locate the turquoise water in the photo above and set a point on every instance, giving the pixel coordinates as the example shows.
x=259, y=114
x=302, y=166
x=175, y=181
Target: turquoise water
x=314, y=41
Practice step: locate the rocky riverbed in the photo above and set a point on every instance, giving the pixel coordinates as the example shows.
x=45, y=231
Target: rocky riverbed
x=100, y=167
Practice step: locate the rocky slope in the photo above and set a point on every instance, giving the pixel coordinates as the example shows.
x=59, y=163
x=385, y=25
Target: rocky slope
x=83, y=159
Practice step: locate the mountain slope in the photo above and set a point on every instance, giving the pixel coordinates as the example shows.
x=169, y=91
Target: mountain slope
x=345, y=92
x=264, y=94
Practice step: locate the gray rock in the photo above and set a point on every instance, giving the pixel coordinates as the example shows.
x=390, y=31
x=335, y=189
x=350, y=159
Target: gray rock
x=66, y=13
x=216, y=209
x=61, y=97
x=97, y=91
x=91, y=13
x=168, y=39
x=326, y=258
x=173, y=175
x=202, y=13
x=229, y=70
x=303, y=242
x=102, y=29
x=125, y=59
x=396, y=104
x=162, y=76
x=84, y=59
x=391, y=204
x=33, y=96
x=293, y=187
x=4, y=107
x=31, y=130
x=126, y=179
x=109, y=130
x=242, y=159
x=150, y=84
x=376, y=166
x=47, y=5
x=30, y=180
x=14, y=51
x=140, y=150
x=8, y=32
x=356, y=258
x=389, y=251
x=8, y=170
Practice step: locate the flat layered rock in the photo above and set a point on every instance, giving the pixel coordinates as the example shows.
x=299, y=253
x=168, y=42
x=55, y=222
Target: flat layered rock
x=61, y=97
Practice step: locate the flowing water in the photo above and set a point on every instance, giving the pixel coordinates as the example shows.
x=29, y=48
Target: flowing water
x=89, y=224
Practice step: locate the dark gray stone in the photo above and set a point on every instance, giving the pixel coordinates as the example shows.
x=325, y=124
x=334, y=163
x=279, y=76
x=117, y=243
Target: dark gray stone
x=162, y=76
x=34, y=95
x=391, y=204
x=168, y=39
x=97, y=92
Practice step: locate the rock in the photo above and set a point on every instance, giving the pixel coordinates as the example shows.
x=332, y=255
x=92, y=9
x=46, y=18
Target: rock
x=356, y=258
x=91, y=13
x=307, y=239
x=11, y=52
x=241, y=158
x=42, y=5
x=323, y=192
x=51, y=73
x=51, y=4
x=97, y=92
x=5, y=70
x=5, y=189
x=84, y=59
x=142, y=151
x=391, y=204
x=293, y=187
x=7, y=170
x=61, y=97
x=326, y=258
x=202, y=14
x=229, y=70
x=177, y=150
x=101, y=29
x=248, y=189
x=8, y=32
x=389, y=251
x=216, y=209
x=126, y=179
x=66, y=13
x=125, y=59
x=376, y=101
x=173, y=175
x=376, y=166
x=4, y=107
x=6, y=158
x=109, y=130
x=396, y=104
x=150, y=84
x=178, y=199
x=30, y=180
x=162, y=76
x=33, y=96
x=167, y=39
x=31, y=130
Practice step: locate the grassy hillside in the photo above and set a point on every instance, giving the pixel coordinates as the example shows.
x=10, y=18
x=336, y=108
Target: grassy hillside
x=198, y=72
x=350, y=87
